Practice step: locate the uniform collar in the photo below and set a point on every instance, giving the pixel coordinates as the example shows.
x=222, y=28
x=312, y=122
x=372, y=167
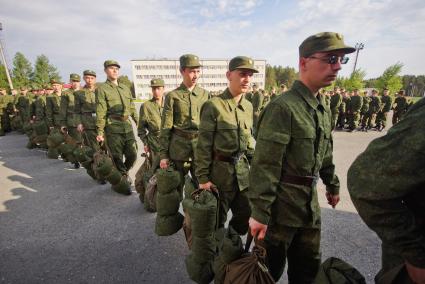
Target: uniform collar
x=312, y=101
x=109, y=82
x=196, y=90
x=227, y=96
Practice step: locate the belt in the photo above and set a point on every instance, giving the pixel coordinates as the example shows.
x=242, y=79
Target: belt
x=185, y=134
x=119, y=117
x=92, y=114
x=234, y=159
x=300, y=180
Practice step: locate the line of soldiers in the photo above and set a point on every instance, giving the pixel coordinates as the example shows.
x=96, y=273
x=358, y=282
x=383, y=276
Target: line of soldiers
x=353, y=111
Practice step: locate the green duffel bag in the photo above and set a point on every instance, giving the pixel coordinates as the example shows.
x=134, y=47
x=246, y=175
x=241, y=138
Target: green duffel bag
x=142, y=175
x=52, y=153
x=337, y=271
x=27, y=127
x=16, y=122
x=202, y=209
x=40, y=128
x=203, y=249
x=201, y=273
x=114, y=177
x=168, y=225
x=55, y=139
x=168, y=179
x=80, y=154
x=189, y=187
x=122, y=187
x=167, y=203
x=231, y=247
x=150, y=196
x=219, y=268
x=103, y=164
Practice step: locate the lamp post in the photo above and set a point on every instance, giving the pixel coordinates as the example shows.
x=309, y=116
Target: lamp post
x=358, y=47
x=4, y=61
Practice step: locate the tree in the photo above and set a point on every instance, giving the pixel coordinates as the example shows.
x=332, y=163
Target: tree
x=22, y=70
x=286, y=75
x=270, y=77
x=123, y=79
x=3, y=77
x=44, y=71
x=355, y=81
x=391, y=78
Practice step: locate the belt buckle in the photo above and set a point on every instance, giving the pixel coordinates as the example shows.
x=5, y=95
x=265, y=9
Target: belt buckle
x=93, y=114
x=236, y=158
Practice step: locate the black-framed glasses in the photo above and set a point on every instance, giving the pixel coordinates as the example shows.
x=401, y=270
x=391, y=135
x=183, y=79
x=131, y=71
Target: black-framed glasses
x=332, y=59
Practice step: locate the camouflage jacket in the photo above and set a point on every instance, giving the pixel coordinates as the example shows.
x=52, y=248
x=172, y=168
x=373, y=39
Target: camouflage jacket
x=400, y=104
x=67, y=109
x=85, y=107
x=295, y=139
x=181, y=112
x=375, y=104
x=150, y=124
x=257, y=101
x=53, y=113
x=336, y=101
x=225, y=129
x=114, y=101
x=38, y=108
x=385, y=179
x=356, y=103
x=387, y=103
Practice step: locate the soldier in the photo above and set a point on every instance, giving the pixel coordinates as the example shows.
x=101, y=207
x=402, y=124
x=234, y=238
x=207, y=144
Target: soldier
x=342, y=110
x=225, y=143
x=356, y=103
x=114, y=106
x=400, y=107
x=387, y=103
x=365, y=108
x=386, y=184
x=180, y=119
x=23, y=106
x=294, y=149
x=38, y=120
x=335, y=103
x=3, y=103
x=257, y=105
x=368, y=121
x=250, y=94
x=150, y=122
x=69, y=113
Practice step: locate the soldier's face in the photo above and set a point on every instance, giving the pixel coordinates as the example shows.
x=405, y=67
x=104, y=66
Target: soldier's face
x=157, y=92
x=56, y=87
x=239, y=80
x=49, y=92
x=90, y=80
x=112, y=72
x=317, y=69
x=190, y=75
x=386, y=92
x=75, y=85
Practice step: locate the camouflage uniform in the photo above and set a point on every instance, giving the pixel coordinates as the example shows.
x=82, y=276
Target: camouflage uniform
x=257, y=106
x=294, y=148
x=114, y=106
x=69, y=113
x=370, y=117
x=386, y=186
x=39, y=125
x=335, y=103
x=23, y=104
x=356, y=103
x=221, y=155
x=342, y=112
x=400, y=108
x=85, y=108
x=381, y=117
x=2, y=111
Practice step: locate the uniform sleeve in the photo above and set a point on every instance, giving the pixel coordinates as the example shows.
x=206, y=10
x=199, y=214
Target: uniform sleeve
x=78, y=112
x=327, y=171
x=101, y=109
x=63, y=107
x=204, y=147
x=166, y=126
x=143, y=125
x=49, y=112
x=270, y=150
x=391, y=168
x=133, y=111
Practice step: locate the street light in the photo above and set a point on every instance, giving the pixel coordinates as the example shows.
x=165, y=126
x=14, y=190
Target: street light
x=4, y=62
x=358, y=47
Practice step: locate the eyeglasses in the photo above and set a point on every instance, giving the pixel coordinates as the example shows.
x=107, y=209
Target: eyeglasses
x=332, y=59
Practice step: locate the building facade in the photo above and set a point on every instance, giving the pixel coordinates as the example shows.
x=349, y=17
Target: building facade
x=213, y=75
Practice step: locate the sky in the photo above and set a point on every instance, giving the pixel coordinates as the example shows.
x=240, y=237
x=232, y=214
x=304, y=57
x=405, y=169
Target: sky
x=78, y=35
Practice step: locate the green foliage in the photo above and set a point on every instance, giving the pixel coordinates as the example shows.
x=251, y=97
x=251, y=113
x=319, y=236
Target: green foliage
x=123, y=79
x=276, y=75
x=44, y=71
x=270, y=77
x=355, y=81
x=391, y=78
x=3, y=77
x=22, y=71
x=414, y=85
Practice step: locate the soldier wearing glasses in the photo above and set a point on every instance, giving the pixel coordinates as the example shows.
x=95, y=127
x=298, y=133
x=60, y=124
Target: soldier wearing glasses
x=294, y=149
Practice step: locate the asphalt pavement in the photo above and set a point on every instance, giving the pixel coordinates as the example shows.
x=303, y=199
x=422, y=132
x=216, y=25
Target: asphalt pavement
x=59, y=226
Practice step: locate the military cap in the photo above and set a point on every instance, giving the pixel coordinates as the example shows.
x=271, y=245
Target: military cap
x=157, y=82
x=23, y=88
x=55, y=81
x=242, y=62
x=74, y=77
x=89, y=73
x=386, y=89
x=48, y=87
x=254, y=85
x=324, y=42
x=401, y=92
x=374, y=91
x=108, y=63
x=190, y=61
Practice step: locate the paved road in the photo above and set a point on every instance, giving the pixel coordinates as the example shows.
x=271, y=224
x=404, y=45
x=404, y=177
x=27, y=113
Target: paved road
x=59, y=226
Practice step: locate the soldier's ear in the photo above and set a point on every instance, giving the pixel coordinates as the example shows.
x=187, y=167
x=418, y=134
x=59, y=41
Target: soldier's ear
x=228, y=76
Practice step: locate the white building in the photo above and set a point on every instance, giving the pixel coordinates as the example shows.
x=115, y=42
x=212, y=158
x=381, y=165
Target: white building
x=213, y=74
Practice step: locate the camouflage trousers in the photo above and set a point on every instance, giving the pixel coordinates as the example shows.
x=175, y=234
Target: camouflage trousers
x=334, y=118
x=301, y=246
x=122, y=145
x=89, y=139
x=76, y=135
x=381, y=119
x=369, y=120
x=236, y=201
x=354, y=120
x=397, y=115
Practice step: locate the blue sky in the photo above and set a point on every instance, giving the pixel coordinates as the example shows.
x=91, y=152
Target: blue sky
x=78, y=35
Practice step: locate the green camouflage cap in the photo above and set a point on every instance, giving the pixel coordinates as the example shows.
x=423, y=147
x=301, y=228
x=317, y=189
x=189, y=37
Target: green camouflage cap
x=89, y=73
x=324, y=42
x=242, y=62
x=55, y=81
x=190, y=61
x=108, y=63
x=22, y=88
x=157, y=82
x=74, y=77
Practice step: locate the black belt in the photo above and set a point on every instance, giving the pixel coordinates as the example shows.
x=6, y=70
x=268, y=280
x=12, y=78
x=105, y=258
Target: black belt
x=119, y=117
x=234, y=159
x=300, y=180
x=185, y=134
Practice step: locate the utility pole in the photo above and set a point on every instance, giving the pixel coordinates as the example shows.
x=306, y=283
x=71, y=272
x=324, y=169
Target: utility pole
x=4, y=61
x=358, y=46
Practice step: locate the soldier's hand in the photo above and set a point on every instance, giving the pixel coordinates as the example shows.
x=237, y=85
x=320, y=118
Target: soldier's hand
x=257, y=229
x=63, y=129
x=80, y=128
x=99, y=138
x=206, y=185
x=333, y=199
x=163, y=164
x=417, y=274
x=146, y=149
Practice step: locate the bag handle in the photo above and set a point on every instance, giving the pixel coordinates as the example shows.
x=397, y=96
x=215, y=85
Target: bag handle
x=248, y=243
